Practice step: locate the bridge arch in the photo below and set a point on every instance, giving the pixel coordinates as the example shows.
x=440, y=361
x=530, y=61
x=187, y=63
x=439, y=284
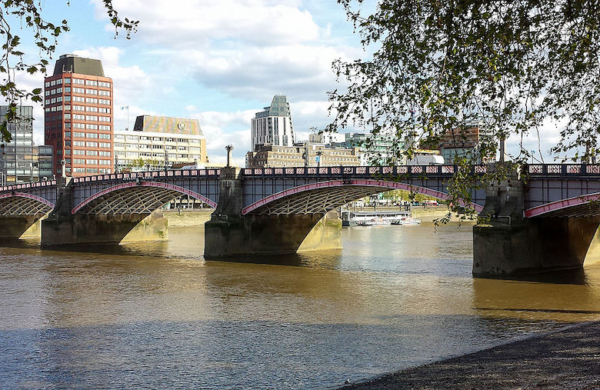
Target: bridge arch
x=579, y=206
x=135, y=198
x=21, y=203
x=322, y=197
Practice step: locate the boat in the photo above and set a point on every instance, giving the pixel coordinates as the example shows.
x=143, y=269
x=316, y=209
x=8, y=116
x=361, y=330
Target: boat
x=375, y=218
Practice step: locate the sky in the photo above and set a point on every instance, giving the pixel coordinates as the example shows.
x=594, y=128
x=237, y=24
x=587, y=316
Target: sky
x=219, y=61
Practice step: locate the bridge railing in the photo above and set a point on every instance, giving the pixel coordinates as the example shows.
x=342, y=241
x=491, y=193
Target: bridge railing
x=175, y=173
x=438, y=170
x=563, y=170
x=25, y=186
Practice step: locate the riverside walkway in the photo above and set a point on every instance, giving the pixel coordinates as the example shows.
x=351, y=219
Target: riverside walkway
x=563, y=359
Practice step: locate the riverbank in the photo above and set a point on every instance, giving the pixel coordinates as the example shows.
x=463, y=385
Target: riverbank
x=568, y=358
x=188, y=218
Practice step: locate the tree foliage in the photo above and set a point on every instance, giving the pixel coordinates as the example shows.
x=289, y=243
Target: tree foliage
x=18, y=17
x=439, y=66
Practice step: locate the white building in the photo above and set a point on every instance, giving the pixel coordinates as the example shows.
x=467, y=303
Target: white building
x=273, y=126
x=159, y=142
x=327, y=138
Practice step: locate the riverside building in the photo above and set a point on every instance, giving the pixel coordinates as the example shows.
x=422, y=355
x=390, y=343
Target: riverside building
x=273, y=126
x=302, y=155
x=18, y=162
x=159, y=142
x=78, y=117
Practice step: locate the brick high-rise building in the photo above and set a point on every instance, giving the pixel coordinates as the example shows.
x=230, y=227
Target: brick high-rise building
x=78, y=119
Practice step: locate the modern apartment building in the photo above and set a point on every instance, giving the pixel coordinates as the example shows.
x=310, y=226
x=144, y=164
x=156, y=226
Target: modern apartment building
x=273, y=126
x=157, y=142
x=78, y=118
x=18, y=163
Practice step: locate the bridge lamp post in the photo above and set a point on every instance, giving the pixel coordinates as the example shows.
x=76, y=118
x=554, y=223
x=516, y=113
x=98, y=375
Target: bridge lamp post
x=228, y=148
x=319, y=153
x=166, y=161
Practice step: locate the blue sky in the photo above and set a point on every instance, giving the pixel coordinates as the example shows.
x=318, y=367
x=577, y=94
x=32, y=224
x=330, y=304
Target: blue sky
x=219, y=61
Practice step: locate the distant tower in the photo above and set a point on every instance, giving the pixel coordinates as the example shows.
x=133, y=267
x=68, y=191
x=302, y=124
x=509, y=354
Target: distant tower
x=273, y=126
x=78, y=118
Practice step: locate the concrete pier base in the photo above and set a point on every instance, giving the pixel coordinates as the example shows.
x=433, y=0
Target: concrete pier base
x=24, y=227
x=534, y=245
x=271, y=234
x=96, y=229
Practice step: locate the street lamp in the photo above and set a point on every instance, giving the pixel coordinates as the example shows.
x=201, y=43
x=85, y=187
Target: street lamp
x=319, y=153
x=228, y=148
x=166, y=161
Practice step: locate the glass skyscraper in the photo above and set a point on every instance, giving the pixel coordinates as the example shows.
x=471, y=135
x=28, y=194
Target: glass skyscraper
x=17, y=161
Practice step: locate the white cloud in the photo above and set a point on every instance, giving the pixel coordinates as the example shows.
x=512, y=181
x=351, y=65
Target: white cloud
x=131, y=84
x=190, y=23
x=226, y=128
x=300, y=71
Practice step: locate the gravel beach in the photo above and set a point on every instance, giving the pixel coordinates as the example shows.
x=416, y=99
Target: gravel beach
x=565, y=359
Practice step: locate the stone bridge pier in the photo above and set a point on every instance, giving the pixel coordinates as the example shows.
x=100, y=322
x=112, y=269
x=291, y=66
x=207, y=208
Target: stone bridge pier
x=62, y=227
x=231, y=234
x=509, y=244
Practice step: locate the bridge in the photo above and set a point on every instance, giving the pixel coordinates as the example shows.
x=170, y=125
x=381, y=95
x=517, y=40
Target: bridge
x=283, y=210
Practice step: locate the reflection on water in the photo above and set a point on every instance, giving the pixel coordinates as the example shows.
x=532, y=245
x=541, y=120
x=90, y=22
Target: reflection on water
x=157, y=315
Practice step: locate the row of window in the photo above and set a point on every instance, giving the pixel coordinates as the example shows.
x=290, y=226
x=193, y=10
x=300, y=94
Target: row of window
x=92, y=118
x=101, y=153
x=91, y=161
x=172, y=156
x=93, y=83
x=80, y=99
x=103, y=110
x=87, y=126
x=78, y=134
x=81, y=152
x=88, y=170
x=134, y=138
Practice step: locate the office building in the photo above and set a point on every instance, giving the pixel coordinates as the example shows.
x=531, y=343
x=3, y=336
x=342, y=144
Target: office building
x=461, y=144
x=159, y=142
x=302, y=155
x=78, y=118
x=273, y=126
x=17, y=162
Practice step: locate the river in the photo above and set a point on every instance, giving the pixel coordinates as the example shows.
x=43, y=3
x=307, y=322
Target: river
x=156, y=315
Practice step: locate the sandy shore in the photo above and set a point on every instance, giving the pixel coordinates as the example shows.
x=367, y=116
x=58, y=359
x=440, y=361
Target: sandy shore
x=564, y=359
